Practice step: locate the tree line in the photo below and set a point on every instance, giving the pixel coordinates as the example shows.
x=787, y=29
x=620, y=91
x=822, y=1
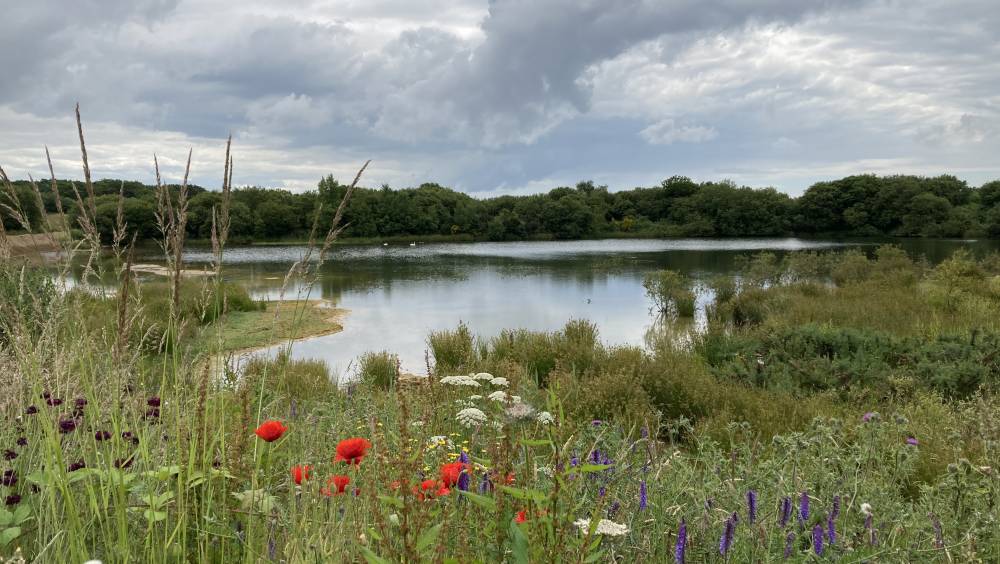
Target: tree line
x=860, y=205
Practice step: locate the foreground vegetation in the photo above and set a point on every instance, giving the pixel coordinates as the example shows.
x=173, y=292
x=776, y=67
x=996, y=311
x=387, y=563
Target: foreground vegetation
x=834, y=407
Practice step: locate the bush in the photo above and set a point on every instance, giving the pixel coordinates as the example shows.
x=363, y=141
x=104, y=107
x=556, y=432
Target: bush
x=670, y=292
x=452, y=350
x=379, y=369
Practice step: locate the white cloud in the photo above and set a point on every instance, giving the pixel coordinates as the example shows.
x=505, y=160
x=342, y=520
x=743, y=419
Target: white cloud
x=665, y=132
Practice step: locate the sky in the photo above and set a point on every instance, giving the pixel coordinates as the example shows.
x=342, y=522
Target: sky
x=498, y=97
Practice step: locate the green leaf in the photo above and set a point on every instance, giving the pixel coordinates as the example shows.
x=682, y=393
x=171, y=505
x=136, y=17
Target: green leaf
x=154, y=516
x=518, y=544
x=371, y=557
x=392, y=501
x=594, y=557
x=487, y=503
x=8, y=535
x=374, y=534
x=21, y=514
x=520, y=493
x=536, y=442
x=428, y=537
x=82, y=474
x=591, y=468
x=6, y=518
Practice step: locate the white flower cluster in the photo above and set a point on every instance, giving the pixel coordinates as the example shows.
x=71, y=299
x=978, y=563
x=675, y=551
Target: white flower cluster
x=866, y=509
x=471, y=417
x=460, y=381
x=498, y=395
x=482, y=376
x=475, y=397
x=500, y=381
x=545, y=418
x=604, y=527
x=439, y=441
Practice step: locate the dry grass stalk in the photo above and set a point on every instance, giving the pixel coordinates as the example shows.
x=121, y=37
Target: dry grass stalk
x=86, y=165
x=54, y=186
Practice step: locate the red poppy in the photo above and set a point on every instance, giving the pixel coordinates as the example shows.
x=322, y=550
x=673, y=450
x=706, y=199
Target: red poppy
x=521, y=517
x=432, y=489
x=339, y=483
x=271, y=430
x=351, y=451
x=450, y=472
x=300, y=473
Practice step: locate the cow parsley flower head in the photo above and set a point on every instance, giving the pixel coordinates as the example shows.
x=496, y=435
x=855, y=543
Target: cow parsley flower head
x=482, y=376
x=500, y=381
x=471, y=417
x=498, y=395
x=604, y=527
x=475, y=397
x=545, y=418
x=460, y=381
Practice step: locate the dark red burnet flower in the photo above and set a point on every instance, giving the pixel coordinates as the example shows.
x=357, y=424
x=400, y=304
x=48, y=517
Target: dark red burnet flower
x=67, y=425
x=352, y=451
x=451, y=472
x=124, y=462
x=130, y=437
x=78, y=465
x=31, y=410
x=8, y=478
x=12, y=500
x=300, y=473
x=153, y=401
x=152, y=414
x=102, y=435
x=9, y=454
x=78, y=405
x=54, y=401
x=22, y=441
x=271, y=430
x=339, y=484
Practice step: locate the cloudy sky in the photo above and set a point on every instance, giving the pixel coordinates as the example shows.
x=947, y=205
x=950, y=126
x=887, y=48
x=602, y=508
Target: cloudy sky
x=505, y=96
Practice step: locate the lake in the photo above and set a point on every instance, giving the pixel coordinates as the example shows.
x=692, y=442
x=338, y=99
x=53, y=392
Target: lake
x=398, y=294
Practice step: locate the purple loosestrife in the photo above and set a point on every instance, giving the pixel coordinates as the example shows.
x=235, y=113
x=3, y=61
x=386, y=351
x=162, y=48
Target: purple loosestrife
x=643, y=498
x=751, y=506
x=726, y=542
x=804, y=506
x=818, y=539
x=785, y=512
x=681, y=546
x=463, y=478
x=789, y=544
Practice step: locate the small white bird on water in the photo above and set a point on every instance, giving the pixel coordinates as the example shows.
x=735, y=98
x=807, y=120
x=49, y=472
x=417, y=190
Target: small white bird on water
x=413, y=244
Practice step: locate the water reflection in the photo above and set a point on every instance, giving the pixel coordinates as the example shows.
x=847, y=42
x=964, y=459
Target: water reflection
x=398, y=294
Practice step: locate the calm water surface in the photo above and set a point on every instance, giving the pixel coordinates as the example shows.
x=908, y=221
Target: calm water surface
x=398, y=294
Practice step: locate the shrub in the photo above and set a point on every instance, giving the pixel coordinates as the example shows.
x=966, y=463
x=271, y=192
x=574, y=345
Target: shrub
x=670, y=292
x=379, y=369
x=452, y=350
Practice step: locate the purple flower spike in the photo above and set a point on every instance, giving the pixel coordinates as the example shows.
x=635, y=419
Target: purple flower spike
x=836, y=507
x=726, y=542
x=831, y=530
x=463, y=478
x=681, y=545
x=785, y=512
x=643, y=497
x=751, y=506
x=818, y=540
x=789, y=543
x=804, y=506
x=938, y=533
